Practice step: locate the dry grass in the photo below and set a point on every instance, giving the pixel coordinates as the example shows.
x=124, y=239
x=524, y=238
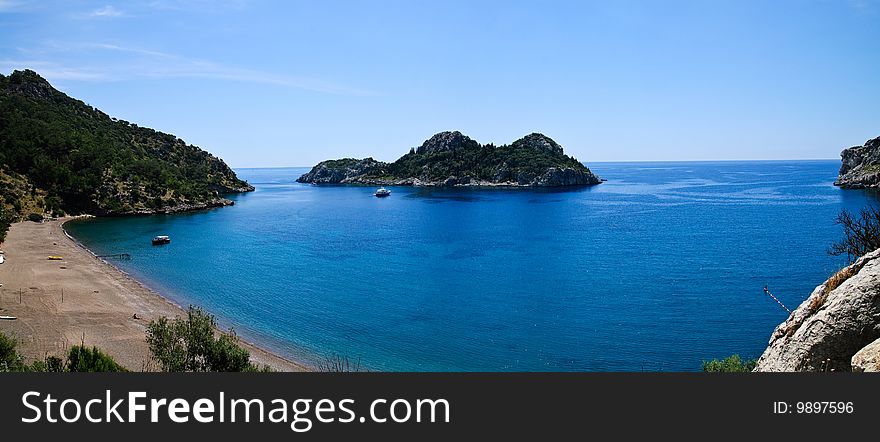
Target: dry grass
x=835, y=281
x=840, y=277
x=832, y=283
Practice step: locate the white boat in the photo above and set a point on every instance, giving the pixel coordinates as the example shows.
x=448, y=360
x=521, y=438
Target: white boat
x=383, y=192
x=2, y=259
x=9, y=318
x=161, y=239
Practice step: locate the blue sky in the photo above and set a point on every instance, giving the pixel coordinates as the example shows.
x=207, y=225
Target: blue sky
x=290, y=83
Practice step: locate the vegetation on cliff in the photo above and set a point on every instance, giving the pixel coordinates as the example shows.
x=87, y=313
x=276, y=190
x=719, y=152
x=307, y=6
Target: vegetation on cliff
x=450, y=158
x=60, y=155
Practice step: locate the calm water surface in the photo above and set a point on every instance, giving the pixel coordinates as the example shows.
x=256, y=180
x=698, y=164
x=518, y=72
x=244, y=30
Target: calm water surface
x=658, y=268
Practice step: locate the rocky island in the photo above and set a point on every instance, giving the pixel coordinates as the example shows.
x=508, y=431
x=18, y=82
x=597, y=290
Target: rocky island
x=454, y=159
x=58, y=155
x=860, y=166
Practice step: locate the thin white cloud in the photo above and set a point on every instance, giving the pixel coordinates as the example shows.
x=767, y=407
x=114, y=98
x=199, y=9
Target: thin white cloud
x=106, y=11
x=9, y=5
x=113, y=47
x=129, y=63
x=53, y=71
x=866, y=7
x=199, y=5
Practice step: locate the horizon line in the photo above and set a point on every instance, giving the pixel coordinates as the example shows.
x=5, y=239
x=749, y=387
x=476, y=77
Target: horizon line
x=610, y=162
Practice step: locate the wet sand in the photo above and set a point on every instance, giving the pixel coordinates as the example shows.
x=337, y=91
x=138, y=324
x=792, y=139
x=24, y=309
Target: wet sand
x=99, y=301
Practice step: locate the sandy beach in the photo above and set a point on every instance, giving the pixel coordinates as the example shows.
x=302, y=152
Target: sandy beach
x=99, y=301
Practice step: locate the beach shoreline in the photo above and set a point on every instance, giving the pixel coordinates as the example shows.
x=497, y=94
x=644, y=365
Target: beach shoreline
x=84, y=299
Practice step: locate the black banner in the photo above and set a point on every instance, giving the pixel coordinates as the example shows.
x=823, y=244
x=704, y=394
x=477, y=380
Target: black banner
x=434, y=406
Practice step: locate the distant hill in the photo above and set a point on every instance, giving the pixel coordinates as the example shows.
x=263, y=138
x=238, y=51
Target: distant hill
x=60, y=155
x=453, y=159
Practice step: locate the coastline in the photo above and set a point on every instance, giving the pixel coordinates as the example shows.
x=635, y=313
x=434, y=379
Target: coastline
x=99, y=303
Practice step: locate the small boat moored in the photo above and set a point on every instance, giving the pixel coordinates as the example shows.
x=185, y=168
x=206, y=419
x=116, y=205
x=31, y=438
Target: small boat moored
x=161, y=239
x=382, y=192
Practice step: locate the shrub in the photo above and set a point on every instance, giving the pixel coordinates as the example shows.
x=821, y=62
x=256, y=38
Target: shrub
x=731, y=364
x=79, y=358
x=52, y=364
x=190, y=344
x=35, y=217
x=9, y=358
x=83, y=359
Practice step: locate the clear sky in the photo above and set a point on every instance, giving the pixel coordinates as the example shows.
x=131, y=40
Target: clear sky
x=290, y=83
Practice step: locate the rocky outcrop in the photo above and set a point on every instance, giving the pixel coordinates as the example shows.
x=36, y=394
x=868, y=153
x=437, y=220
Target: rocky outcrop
x=538, y=141
x=222, y=189
x=839, y=319
x=177, y=208
x=860, y=166
x=453, y=159
x=344, y=171
x=446, y=141
x=564, y=177
x=868, y=358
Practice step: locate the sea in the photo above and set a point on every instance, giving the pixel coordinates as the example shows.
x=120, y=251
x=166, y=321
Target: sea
x=659, y=268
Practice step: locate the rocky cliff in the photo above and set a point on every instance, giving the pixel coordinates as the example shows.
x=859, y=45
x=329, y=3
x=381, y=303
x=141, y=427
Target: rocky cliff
x=454, y=159
x=860, y=166
x=343, y=171
x=836, y=328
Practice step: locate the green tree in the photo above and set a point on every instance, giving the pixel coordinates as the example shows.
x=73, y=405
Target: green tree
x=9, y=357
x=731, y=364
x=83, y=359
x=193, y=344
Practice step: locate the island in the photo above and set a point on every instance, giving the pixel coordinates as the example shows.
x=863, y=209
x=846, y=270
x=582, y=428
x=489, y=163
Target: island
x=58, y=155
x=860, y=166
x=453, y=159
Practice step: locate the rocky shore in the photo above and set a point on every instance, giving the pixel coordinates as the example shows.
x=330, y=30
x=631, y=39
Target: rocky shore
x=179, y=208
x=837, y=328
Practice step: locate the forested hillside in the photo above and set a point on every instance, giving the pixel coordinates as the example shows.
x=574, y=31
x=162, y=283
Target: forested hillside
x=60, y=155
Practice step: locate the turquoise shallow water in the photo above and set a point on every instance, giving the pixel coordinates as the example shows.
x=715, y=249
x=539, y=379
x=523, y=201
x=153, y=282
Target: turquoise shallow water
x=658, y=268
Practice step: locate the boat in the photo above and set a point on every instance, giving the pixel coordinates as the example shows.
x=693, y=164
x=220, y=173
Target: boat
x=161, y=239
x=2, y=259
x=8, y=318
x=382, y=192
x=55, y=258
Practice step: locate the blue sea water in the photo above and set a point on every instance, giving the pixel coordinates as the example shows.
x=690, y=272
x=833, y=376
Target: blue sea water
x=658, y=268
